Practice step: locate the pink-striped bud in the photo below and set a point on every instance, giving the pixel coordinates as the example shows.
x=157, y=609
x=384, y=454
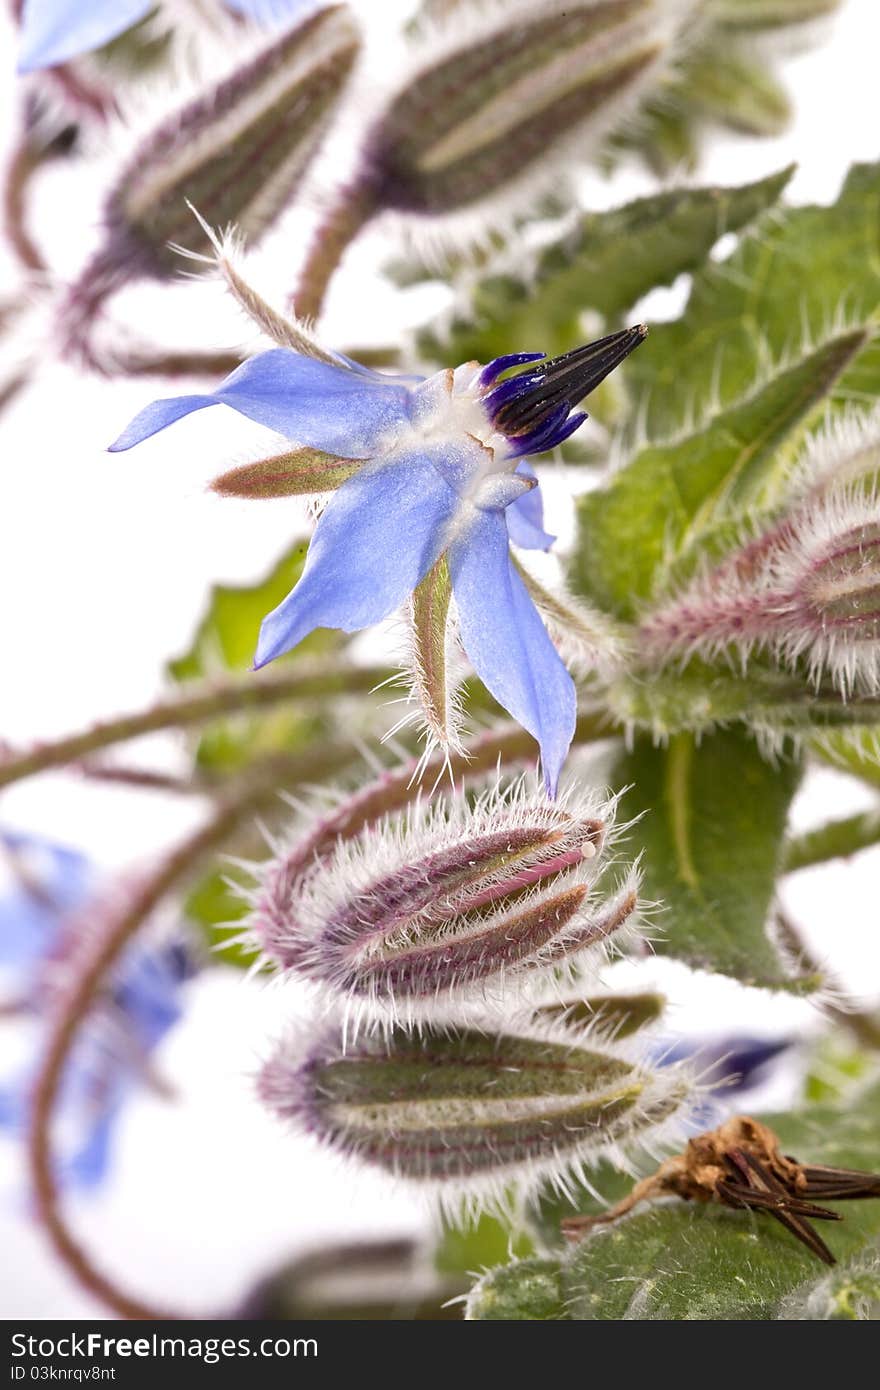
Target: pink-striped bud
x=236, y=154
x=497, y=90
x=471, y=1108
x=449, y=904
x=807, y=590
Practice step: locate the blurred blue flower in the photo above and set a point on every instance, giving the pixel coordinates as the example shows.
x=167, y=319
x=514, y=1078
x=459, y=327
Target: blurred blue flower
x=733, y=1066
x=39, y=931
x=54, y=30
x=443, y=473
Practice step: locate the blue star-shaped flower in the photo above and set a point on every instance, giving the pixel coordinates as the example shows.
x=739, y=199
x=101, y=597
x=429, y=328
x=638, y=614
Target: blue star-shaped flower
x=441, y=473
x=39, y=925
x=52, y=31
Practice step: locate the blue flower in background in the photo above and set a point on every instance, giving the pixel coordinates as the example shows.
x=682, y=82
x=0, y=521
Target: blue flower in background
x=38, y=930
x=733, y=1066
x=54, y=30
x=442, y=472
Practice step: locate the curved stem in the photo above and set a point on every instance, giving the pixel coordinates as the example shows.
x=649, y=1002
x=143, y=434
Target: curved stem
x=144, y=362
x=837, y=839
x=22, y=166
x=347, y=217
x=253, y=792
x=198, y=706
x=251, y=795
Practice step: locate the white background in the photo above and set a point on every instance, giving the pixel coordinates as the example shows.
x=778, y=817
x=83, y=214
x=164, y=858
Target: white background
x=104, y=563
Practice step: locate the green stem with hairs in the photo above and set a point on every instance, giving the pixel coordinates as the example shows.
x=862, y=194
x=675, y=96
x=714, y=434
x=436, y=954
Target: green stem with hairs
x=347, y=217
x=194, y=705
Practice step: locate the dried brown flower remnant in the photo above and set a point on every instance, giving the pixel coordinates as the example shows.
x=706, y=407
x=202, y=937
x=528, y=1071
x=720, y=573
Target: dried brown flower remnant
x=740, y=1164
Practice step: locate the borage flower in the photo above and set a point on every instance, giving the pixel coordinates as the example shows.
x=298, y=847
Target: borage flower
x=48, y=913
x=428, y=473
x=55, y=30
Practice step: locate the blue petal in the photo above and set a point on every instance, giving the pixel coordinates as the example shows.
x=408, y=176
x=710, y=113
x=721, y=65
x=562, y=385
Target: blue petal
x=507, y=642
x=88, y=1165
x=54, y=30
x=525, y=517
x=314, y=403
x=379, y=536
x=270, y=11
x=61, y=880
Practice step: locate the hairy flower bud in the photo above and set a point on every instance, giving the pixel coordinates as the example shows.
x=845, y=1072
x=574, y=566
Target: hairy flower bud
x=806, y=586
x=469, y=1107
x=234, y=153
x=505, y=88
x=451, y=904
x=807, y=589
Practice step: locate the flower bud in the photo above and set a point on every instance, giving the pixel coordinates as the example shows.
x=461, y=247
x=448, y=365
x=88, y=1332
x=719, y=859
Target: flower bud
x=236, y=153
x=807, y=589
x=464, y=1106
x=506, y=88
x=447, y=906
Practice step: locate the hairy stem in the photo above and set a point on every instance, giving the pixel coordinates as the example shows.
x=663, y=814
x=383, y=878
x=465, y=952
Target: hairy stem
x=248, y=799
x=346, y=218
x=193, y=706
x=22, y=166
x=145, y=362
x=837, y=839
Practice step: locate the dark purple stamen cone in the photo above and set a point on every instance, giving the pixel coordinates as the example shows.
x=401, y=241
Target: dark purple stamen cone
x=544, y=395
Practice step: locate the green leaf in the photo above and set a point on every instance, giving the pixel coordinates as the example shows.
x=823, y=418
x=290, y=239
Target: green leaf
x=679, y=1261
x=734, y=87
x=215, y=907
x=768, y=14
x=226, y=640
x=713, y=819
x=226, y=637
x=856, y=751
x=801, y=272
x=528, y=1291
x=606, y=262
x=850, y=1293
x=480, y=1244
x=670, y=496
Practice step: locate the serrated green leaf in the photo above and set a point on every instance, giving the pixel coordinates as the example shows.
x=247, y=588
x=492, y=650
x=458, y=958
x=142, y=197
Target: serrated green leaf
x=801, y=272
x=713, y=820
x=605, y=263
x=679, y=1261
x=669, y=496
